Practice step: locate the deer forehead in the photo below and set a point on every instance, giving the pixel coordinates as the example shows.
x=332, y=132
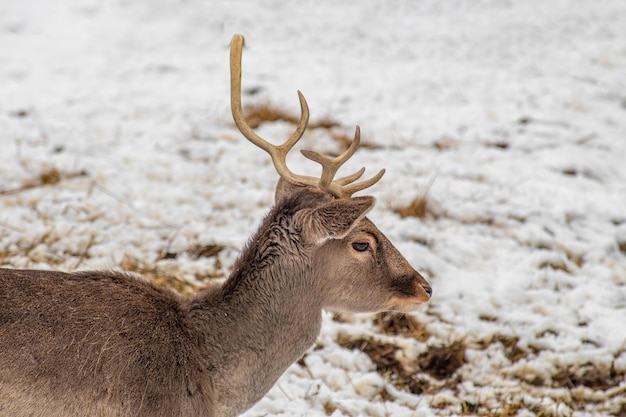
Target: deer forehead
x=366, y=228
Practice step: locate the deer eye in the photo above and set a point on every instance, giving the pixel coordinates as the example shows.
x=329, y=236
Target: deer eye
x=360, y=246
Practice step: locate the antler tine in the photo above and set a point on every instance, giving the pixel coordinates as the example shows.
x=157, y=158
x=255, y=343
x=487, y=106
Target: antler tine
x=278, y=153
x=348, y=190
x=331, y=165
x=349, y=179
x=342, y=187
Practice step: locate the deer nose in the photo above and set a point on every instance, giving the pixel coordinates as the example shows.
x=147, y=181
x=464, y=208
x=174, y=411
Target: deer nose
x=428, y=290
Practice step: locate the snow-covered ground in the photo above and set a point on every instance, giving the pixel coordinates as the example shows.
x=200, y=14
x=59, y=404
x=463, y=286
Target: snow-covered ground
x=506, y=118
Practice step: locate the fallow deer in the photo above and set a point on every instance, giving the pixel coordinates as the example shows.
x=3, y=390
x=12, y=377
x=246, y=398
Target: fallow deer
x=110, y=344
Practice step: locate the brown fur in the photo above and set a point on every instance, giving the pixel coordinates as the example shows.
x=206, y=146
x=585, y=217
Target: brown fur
x=110, y=344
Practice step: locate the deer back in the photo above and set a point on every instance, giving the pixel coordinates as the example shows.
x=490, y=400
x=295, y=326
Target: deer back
x=84, y=342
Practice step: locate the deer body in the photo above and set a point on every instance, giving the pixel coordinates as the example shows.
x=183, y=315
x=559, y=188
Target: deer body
x=105, y=344
x=93, y=344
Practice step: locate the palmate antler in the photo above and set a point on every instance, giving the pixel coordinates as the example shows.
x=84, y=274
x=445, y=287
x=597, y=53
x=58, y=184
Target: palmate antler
x=342, y=187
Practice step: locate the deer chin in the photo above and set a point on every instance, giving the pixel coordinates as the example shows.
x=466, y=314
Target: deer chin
x=406, y=304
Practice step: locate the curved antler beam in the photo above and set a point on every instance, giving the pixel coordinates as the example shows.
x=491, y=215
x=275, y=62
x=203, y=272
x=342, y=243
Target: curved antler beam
x=278, y=153
x=342, y=187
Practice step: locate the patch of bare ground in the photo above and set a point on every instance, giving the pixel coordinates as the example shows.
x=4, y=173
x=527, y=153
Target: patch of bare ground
x=588, y=375
x=401, y=324
x=438, y=362
x=592, y=388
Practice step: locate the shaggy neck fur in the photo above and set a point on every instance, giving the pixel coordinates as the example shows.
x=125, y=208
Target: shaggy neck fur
x=267, y=311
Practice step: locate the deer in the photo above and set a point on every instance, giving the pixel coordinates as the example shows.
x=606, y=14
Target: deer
x=112, y=344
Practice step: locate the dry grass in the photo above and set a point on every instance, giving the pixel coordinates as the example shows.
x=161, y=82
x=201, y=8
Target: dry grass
x=439, y=362
x=575, y=259
x=257, y=114
x=510, y=346
x=196, y=252
x=443, y=361
x=154, y=274
x=49, y=175
x=329, y=408
x=346, y=140
x=384, y=356
x=48, y=247
x=265, y=112
x=422, y=207
x=436, y=370
x=205, y=251
x=402, y=325
x=588, y=375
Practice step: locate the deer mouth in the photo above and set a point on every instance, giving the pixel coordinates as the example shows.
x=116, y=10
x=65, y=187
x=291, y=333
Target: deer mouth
x=406, y=304
x=410, y=292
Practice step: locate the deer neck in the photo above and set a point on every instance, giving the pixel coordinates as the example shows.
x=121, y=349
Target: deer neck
x=263, y=319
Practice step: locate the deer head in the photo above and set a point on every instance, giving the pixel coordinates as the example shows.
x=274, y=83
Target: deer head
x=358, y=267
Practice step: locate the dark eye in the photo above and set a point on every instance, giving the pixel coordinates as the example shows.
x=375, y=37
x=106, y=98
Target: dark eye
x=360, y=246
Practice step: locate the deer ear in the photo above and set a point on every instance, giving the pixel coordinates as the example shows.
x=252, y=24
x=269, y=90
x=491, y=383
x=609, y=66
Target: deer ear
x=334, y=219
x=284, y=190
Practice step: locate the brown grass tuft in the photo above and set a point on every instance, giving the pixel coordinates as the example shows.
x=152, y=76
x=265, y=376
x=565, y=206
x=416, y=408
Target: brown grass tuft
x=329, y=408
x=345, y=140
x=402, y=325
x=257, y=114
x=510, y=344
x=417, y=208
x=445, y=143
x=384, y=357
x=556, y=265
x=589, y=375
x=422, y=207
x=49, y=175
x=443, y=361
x=205, y=251
x=153, y=274
x=440, y=362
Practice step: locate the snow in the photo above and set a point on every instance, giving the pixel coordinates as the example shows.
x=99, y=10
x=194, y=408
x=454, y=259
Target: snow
x=509, y=116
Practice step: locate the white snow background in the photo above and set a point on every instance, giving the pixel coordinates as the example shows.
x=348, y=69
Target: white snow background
x=507, y=118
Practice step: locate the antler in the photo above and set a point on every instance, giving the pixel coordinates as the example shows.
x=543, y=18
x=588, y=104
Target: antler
x=341, y=188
